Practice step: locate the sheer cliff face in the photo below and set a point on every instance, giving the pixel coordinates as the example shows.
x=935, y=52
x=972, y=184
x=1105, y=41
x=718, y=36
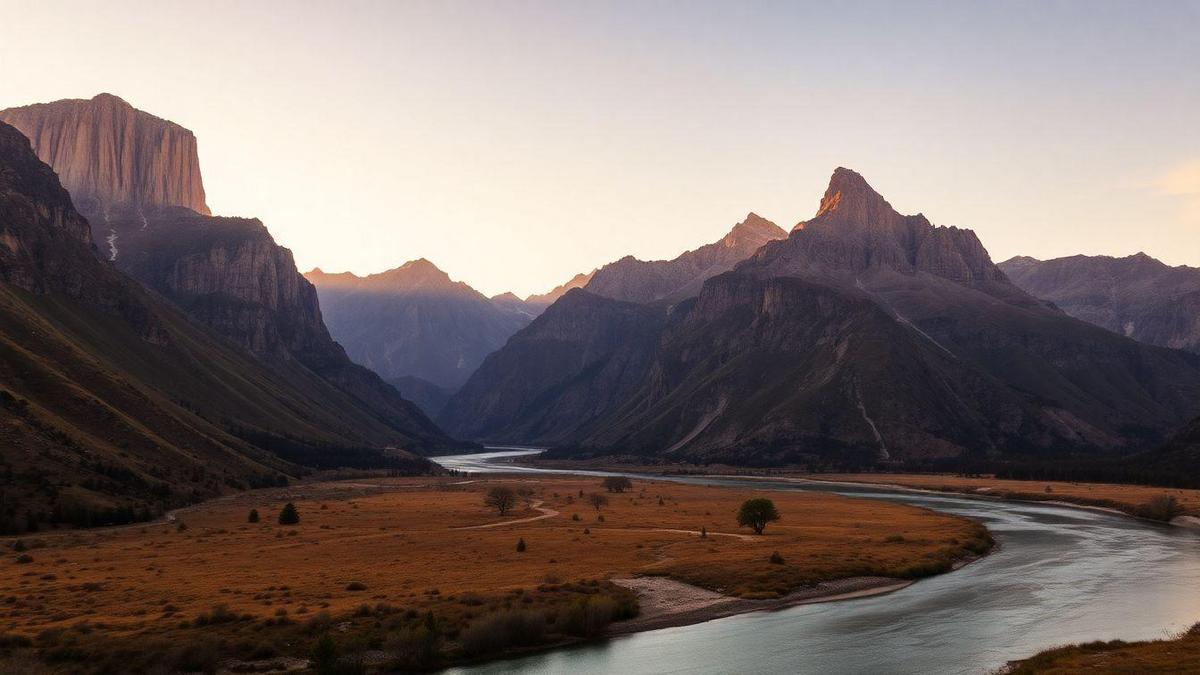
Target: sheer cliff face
x=634, y=280
x=1136, y=296
x=229, y=273
x=112, y=157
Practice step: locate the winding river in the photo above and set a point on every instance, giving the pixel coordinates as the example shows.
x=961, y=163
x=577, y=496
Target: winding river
x=1060, y=575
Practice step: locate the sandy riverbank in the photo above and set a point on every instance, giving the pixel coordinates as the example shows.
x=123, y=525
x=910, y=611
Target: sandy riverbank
x=666, y=603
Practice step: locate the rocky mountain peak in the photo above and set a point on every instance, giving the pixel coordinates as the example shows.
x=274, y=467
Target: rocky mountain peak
x=754, y=231
x=851, y=201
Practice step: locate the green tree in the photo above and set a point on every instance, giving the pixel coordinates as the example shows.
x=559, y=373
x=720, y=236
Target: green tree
x=289, y=515
x=756, y=513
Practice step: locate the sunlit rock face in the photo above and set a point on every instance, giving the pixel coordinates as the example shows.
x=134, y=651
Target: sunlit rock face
x=112, y=157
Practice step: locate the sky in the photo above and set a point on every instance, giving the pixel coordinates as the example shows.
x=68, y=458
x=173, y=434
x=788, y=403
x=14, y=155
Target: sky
x=516, y=143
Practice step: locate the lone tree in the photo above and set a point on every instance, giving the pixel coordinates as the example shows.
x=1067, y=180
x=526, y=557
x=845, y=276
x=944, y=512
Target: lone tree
x=501, y=498
x=253, y=517
x=598, y=501
x=617, y=484
x=756, y=513
x=289, y=515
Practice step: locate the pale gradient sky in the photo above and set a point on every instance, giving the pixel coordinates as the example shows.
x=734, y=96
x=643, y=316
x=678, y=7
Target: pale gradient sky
x=517, y=143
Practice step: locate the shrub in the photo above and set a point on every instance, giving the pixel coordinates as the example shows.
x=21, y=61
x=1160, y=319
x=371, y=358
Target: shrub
x=496, y=632
x=356, y=586
x=521, y=545
x=598, y=501
x=217, y=615
x=617, y=484
x=414, y=648
x=253, y=517
x=289, y=515
x=776, y=559
x=588, y=618
x=1162, y=507
x=24, y=559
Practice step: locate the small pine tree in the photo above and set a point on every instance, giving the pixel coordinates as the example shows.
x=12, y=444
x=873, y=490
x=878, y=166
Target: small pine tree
x=253, y=518
x=289, y=515
x=703, y=532
x=521, y=545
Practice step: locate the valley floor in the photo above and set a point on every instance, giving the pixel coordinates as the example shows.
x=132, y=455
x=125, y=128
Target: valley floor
x=405, y=573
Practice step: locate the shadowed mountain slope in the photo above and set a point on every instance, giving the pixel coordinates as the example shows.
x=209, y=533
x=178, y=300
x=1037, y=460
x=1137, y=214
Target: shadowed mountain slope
x=1135, y=296
x=865, y=334
x=228, y=273
x=111, y=399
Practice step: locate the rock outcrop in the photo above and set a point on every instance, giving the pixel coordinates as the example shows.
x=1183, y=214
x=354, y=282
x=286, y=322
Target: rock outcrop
x=111, y=157
x=1136, y=296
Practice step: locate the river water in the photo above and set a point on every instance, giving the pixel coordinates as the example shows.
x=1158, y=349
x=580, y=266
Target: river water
x=1060, y=575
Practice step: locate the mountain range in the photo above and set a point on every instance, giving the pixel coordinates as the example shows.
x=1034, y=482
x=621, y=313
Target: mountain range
x=1136, y=296
x=864, y=335
x=418, y=328
x=144, y=198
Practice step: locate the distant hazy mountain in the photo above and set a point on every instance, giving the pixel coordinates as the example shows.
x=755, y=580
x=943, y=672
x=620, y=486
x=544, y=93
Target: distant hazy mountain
x=1136, y=296
x=635, y=280
x=111, y=399
x=415, y=321
x=544, y=300
x=143, y=196
x=865, y=334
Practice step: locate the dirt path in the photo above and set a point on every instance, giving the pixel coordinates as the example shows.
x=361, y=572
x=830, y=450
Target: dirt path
x=536, y=506
x=743, y=537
